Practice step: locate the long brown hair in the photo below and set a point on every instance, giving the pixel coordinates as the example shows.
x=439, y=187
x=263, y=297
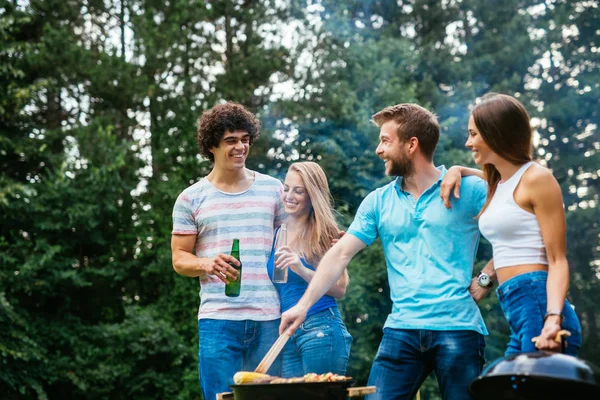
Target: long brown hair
x=504, y=125
x=321, y=228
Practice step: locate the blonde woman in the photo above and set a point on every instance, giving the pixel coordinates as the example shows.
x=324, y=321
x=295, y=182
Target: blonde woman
x=322, y=343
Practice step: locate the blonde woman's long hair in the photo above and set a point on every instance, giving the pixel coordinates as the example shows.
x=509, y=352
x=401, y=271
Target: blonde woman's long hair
x=321, y=228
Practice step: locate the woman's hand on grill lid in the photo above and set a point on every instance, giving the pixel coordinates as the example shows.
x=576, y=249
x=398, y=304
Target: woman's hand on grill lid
x=549, y=339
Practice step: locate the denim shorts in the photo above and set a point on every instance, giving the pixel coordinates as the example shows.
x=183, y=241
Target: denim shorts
x=321, y=344
x=523, y=299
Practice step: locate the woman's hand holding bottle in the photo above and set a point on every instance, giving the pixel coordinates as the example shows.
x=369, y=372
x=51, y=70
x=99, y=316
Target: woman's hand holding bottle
x=285, y=256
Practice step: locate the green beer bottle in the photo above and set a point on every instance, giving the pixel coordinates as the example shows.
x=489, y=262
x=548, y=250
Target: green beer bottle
x=232, y=289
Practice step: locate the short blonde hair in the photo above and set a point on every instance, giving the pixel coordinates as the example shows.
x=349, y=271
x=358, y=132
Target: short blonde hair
x=412, y=120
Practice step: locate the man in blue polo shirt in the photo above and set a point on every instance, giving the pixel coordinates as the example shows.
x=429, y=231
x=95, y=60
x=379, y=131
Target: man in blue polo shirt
x=435, y=324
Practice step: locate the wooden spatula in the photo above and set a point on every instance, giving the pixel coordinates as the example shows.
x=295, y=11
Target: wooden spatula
x=272, y=354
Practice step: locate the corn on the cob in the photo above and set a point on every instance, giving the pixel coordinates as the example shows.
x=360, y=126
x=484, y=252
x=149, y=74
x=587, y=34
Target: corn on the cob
x=248, y=377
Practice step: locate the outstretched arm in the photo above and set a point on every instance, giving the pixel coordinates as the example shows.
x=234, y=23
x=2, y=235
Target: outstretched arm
x=287, y=257
x=329, y=271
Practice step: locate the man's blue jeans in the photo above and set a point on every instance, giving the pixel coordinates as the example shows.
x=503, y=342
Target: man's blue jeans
x=227, y=347
x=407, y=356
x=320, y=345
x=523, y=299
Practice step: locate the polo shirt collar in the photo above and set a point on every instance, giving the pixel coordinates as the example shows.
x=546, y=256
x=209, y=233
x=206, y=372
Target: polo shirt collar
x=441, y=168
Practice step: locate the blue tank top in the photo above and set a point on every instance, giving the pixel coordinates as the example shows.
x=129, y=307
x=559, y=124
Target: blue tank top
x=291, y=292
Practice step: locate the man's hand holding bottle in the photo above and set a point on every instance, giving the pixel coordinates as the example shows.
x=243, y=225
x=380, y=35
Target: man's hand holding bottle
x=220, y=266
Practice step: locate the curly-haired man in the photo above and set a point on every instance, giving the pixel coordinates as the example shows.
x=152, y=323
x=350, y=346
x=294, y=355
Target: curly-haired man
x=230, y=202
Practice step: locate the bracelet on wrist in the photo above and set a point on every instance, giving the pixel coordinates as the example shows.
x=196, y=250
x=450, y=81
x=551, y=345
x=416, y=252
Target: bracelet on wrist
x=554, y=313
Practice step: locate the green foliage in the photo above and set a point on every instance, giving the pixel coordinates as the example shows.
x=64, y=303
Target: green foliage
x=365, y=307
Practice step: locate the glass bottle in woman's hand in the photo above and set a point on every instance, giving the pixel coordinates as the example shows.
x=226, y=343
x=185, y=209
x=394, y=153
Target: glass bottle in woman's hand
x=280, y=273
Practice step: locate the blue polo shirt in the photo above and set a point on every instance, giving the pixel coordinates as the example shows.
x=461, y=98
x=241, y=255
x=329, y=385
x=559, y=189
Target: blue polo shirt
x=429, y=251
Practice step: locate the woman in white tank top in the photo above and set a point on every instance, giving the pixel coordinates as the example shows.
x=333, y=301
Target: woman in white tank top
x=524, y=220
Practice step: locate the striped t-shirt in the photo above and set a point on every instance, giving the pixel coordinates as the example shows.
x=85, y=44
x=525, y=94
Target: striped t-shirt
x=216, y=218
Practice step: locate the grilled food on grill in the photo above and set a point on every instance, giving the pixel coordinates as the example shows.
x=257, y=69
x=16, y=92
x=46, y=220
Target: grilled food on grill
x=251, y=377
x=312, y=377
x=244, y=377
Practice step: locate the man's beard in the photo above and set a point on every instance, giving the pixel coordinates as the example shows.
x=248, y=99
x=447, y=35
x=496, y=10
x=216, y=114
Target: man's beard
x=402, y=167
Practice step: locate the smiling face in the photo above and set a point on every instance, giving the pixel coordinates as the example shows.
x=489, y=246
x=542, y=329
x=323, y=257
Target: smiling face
x=393, y=151
x=482, y=154
x=295, y=197
x=232, y=150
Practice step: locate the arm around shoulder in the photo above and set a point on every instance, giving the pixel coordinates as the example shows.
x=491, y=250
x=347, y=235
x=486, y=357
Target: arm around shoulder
x=452, y=182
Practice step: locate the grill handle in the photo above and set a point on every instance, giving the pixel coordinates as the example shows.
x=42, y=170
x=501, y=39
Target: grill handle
x=561, y=337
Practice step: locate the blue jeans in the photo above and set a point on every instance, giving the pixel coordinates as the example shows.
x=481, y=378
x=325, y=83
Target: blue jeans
x=407, y=356
x=523, y=299
x=226, y=347
x=321, y=344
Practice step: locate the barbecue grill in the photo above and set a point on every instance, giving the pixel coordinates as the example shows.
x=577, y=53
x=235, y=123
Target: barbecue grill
x=340, y=390
x=536, y=376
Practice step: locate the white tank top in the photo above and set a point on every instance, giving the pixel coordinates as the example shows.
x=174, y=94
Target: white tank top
x=513, y=232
